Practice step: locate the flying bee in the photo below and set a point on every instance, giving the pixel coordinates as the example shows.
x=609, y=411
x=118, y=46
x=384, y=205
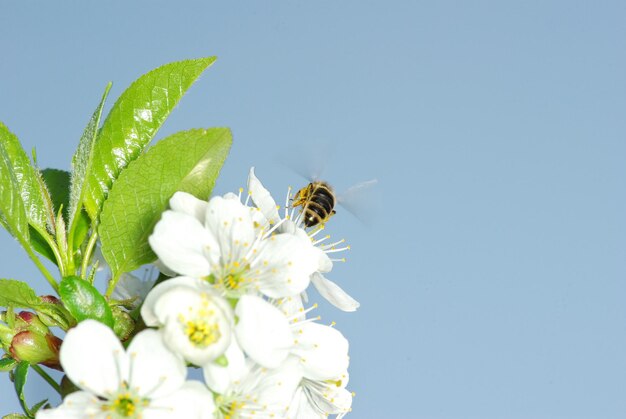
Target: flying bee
x=317, y=200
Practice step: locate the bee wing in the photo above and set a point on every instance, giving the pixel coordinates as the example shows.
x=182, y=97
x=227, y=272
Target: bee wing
x=309, y=159
x=362, y=200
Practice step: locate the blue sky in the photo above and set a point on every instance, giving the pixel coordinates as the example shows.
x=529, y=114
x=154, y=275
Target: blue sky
x=493, y=282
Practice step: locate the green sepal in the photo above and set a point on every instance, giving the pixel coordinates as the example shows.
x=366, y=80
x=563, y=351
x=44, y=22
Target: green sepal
x=7, y=364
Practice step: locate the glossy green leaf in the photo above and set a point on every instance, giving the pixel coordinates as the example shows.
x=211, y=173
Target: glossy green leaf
x=132, y=123
x=19, y=381
x=38, y=406
x=26, y=177
x=84, y=301
x=12, y=212
x=187, y=161
x=81, y=162
x=41, y=245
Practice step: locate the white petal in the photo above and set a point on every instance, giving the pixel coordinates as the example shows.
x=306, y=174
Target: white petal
x=181, y=243
x=286, y=263
x=77, y=405
x=276, y=387
x=93, y=358
x=333, y=293
x=219, y=378
x=323, y=351
x=189, y=204
x=147, y=309
x=301, y=408
x=192, y=400
x=155, y=371
x=262, y=198
x=229, y=221
x=182, y=304
x=262, y=331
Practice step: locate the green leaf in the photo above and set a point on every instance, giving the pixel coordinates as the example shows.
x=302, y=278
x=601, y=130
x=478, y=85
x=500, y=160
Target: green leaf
x=38, y=406
x=7, y=364
x=26, y=177
x=81, y=163
x=19, y=380
x=41, y=245
x=18, y=294
x=58, y=183
x=12, y=212
x=84, y=301
x=15, y=416
x=187, y=161
x=132, y=123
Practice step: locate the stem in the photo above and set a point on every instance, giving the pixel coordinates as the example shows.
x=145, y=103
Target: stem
x=88, y=250
x=47, y=377
x=46, y=273
x=111, y=287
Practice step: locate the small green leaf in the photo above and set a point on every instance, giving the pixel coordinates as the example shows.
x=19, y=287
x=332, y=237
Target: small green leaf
x=187, y=161
x=7, y=364
x=15, y=416
x=58, y=183
x=19, y=380
x=81, y=163
x=41, y=245
x=17, y=294
x=132, y=123
x=26, y=177
x=38, y=406
x=12, y=212
x=84, y=301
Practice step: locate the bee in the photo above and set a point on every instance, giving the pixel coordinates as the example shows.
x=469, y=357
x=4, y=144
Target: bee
x=317, y=201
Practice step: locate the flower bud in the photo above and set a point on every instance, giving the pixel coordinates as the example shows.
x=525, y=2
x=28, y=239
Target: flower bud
x=36, y=348
x=26, y=320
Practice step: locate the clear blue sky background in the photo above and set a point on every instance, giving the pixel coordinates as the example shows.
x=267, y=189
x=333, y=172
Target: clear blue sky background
x=493, y=285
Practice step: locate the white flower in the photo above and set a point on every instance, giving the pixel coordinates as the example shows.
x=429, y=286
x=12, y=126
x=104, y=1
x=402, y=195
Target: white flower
x=224, y=243
x=327, y=289
x=260, y=392
x=195, y=321
x=319, y=398
x=146, y=381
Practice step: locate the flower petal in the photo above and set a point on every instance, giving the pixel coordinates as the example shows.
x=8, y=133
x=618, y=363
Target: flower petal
x=189, y=204
x=301, y=407
x=229, y=220
x=262, y=198
x=183, y=311
x=155, y=371
x=192, y=400
x=77, y=405
x=181, y=243
x=129, y=286
x=262, y=331
x=219, y=378
x=147, y=309
x=333, y=293
x=286, y=262
x=323, y=351
x=93, y=358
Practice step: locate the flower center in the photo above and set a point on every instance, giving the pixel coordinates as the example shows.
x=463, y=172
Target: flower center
x=202, y=327
x=228, y=407
x=126, y=405
x=202, y=333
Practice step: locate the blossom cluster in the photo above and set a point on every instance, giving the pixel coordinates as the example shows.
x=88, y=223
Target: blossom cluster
x=236, y=307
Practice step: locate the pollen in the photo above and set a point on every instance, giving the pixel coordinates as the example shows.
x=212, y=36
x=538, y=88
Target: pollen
x=202, y=333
